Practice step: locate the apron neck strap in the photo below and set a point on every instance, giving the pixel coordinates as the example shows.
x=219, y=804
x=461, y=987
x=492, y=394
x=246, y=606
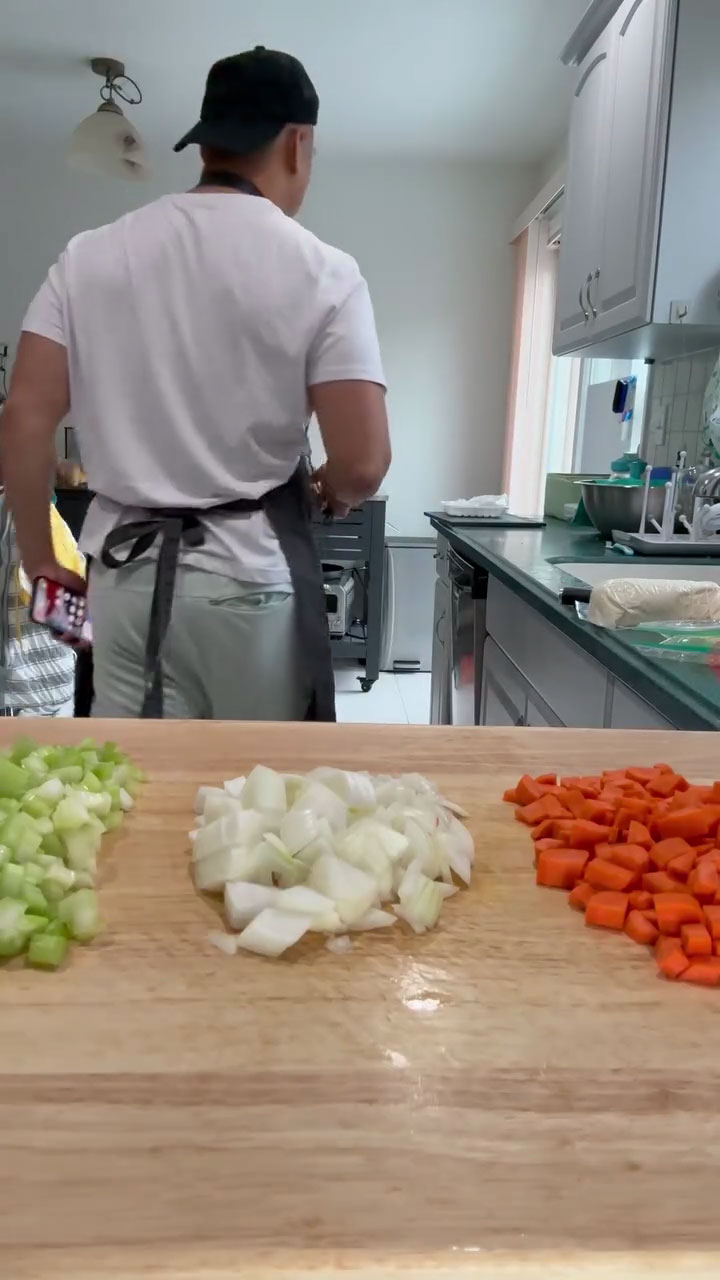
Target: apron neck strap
x=226, y=178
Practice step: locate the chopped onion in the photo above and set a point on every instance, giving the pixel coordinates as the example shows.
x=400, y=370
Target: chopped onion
x=321, y=852
x=244, y=901
x=340, y=945
x=273, y=931
x=264, y=789
x=223, y=942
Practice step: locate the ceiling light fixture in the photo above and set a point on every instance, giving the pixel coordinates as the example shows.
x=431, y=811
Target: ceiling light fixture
x=106, y=142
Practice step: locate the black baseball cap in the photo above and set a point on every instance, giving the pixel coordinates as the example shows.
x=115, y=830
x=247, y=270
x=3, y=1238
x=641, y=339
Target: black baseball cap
x=249, y=98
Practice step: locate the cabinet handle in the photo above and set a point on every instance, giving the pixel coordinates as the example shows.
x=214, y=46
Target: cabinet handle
x=590, y=280
x=582, y=304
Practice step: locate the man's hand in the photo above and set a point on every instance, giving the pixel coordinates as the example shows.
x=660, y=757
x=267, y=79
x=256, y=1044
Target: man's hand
x=55, y=572
x=326, y=498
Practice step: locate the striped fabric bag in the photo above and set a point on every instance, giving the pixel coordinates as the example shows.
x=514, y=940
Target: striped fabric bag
x=37, y=674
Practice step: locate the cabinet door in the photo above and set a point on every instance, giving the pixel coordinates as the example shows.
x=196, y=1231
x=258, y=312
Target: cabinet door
x=581, y=233
x=440, y=671
x=503, y=700
x=637, y=124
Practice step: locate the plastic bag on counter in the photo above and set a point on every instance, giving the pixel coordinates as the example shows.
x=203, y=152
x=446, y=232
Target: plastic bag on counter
x=630, y=602
x=699, y=645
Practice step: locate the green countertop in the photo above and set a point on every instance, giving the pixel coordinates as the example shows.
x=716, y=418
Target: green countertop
x=685, y=693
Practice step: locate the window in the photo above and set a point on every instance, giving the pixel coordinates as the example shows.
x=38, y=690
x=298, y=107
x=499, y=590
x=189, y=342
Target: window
x=560, y=415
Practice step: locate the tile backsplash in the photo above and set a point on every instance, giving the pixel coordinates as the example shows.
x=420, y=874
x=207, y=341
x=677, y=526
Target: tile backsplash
x=679, y=385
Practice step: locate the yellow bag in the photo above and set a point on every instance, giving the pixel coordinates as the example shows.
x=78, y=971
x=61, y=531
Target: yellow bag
x=67, y=554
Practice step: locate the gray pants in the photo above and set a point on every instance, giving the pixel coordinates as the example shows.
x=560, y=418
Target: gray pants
x=231, y=650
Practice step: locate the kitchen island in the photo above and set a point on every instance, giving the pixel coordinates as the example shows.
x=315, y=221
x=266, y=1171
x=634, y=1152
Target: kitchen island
x=523, y=603
x=510, y=1097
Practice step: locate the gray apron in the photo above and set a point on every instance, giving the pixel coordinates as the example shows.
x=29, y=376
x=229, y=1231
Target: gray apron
x=288, y=509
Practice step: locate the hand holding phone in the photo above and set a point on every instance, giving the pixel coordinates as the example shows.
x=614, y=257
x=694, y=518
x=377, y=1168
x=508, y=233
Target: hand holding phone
x=62, y=610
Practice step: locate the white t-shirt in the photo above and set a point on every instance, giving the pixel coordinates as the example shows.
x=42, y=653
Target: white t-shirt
x=194, y=327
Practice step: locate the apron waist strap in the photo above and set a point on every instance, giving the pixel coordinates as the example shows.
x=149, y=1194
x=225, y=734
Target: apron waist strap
x=174, y=526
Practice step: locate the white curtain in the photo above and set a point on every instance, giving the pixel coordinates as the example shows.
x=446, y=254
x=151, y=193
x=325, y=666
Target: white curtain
x=527, y=424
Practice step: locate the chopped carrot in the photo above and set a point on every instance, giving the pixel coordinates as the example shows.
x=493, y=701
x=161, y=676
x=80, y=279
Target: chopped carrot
x=659, y=882
x=632, y=810
x=689, y=824
x=640, y=929
x=712, y=920
x=641, y=900
x=543, y=829
x=715, y=793
x=602, y=874
x=510, y=796
x=670, y=957
x=546, y=780
x=585, y=835
x=527, y=790
x=630, y=856
x=642, y=775
x=561, y=868
x=676, y=909
x=705, y=972
x=539, y=810
x=704, y=881
x=650, y=914
x=581, y=895
x=666, y=784
x=696, y=940
x=665, y=850
x=541, y=846
x=680, y=868
x=639, y=834
x=607, y=910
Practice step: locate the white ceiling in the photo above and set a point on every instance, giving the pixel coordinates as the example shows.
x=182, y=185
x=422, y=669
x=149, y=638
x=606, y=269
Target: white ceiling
x=462, y=77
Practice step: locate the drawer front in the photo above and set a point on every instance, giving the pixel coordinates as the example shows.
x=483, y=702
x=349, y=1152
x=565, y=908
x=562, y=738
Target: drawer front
x=628, y=711
x=573, y=684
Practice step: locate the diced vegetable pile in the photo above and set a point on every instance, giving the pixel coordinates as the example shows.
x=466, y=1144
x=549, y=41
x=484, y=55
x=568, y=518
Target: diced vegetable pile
x=637, y=849
x=324, y=852
x=55, y=805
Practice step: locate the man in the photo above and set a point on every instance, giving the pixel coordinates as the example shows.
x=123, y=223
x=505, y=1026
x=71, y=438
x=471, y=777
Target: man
x=191, y=339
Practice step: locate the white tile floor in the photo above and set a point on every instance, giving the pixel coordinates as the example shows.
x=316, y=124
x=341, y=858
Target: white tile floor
x=393, y=699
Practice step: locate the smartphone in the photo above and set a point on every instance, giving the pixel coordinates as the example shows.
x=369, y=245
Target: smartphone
x=62, y=611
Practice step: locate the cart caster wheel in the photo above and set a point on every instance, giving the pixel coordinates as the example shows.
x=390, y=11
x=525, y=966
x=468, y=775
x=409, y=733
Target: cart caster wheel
x=365, y=684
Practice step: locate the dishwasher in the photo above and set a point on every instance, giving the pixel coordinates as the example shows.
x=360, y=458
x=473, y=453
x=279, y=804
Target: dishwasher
x=459, y=638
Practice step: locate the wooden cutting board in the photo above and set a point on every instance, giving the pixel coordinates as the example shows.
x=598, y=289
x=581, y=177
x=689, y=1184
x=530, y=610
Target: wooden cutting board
x=512, y=1096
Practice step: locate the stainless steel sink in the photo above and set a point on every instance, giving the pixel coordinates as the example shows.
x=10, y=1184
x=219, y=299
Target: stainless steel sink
x=593, y=573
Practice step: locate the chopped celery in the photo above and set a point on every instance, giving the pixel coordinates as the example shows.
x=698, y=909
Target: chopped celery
x=53, y=846
x=70, y=815
x=71, y=773
x=79, y=911
x=57, y=881
x=51, y=790
x=4, y=854
x=82, y=846
x=11, y=944
x=56, y=928
x=35, y=766
x=113, y=819
x=91, y=783
x=103, y=771
x=34, y=924
x=47, y=950
x=34, y=873
x=34, y=897
x=14, y=781
x=21, y=748
x=36, y=807
x=90, y=759
x=12, y=879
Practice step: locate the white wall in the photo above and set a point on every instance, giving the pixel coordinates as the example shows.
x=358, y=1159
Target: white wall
x=431, y=238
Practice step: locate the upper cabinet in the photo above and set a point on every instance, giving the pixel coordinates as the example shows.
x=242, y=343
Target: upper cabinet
x=639, y=261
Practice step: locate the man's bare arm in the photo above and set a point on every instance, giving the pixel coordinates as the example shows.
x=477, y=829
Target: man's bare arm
x=37, y=403
x=354, y=427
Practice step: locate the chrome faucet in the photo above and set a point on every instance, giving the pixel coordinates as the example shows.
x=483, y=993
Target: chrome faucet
x=707, y=487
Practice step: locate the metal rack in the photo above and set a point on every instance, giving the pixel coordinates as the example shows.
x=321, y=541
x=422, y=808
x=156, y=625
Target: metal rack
x=359, y=540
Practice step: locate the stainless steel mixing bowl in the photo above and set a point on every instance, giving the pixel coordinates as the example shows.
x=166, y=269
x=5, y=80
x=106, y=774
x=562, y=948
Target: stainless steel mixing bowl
x=619, y=506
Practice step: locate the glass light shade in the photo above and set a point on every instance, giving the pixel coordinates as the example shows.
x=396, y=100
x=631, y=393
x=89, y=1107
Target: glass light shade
x=107, y=143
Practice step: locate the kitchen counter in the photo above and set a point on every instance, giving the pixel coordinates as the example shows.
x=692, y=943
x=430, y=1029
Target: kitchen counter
x=511, y=1096
x=686, y=694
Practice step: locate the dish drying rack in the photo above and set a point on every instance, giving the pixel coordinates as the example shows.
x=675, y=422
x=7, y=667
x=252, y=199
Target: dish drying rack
x=701, y=538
